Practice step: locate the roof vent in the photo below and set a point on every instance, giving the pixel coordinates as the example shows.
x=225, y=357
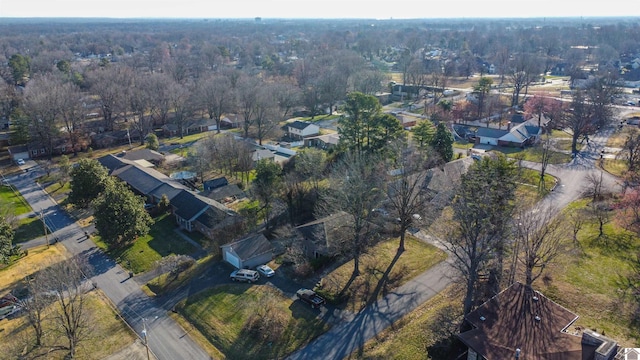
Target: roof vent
x=537, y=318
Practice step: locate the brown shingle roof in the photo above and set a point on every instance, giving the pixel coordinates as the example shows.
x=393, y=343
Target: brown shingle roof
x=513, y=319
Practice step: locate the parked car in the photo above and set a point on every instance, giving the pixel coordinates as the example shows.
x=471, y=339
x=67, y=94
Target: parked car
x=265, y=270
x=20, y=162
x=310, y=297
x=245, y=275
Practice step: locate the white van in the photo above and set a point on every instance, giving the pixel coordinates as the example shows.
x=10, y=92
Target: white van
x=245, y=275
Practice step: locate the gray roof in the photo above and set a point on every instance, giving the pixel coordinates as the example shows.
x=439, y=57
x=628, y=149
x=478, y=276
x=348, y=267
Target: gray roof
x=112, y=162
x=143, y=154
x=328, y=230
x=491, y=133
x=143, y=180
x=300, y=125
x=170, y=189
x=188, y=205
x=215, y=183
x=215, y=217
x=219, y=194
x=250, y=246
x=260, y=154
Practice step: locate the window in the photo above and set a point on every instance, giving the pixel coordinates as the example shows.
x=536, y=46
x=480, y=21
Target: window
x=42, y=151
x=34, y=152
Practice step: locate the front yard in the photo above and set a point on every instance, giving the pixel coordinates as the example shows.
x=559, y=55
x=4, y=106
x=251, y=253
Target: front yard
x=380, y=271
x=241, y=321
x=161, y=241
x=107, y=333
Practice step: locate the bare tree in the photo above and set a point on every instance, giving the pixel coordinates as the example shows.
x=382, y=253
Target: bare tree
x=34, y=305
x=631, y=149
x=538, y=240
x=594, y=186
x=407, y=191
x=247, y=94
x=266, y=114
x=67, y=283
x=43, y=105
x=354, y=189
x=216, y=96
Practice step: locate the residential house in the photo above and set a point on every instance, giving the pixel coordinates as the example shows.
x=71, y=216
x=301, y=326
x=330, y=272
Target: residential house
x=262, y=154
x=193, y=212
x=225, y=194
x=515, y=135
x=489, y=136
x=322, y=237
x=19, y=152
x=520, y=323
x=149, y=155
x=215, y=183
x=301, y=129
x=232, y=121
x=248, y=252
x=324, y=142
x=442, y=181
x=113, y=138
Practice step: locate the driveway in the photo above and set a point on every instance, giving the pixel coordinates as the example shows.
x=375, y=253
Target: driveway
x=167, y=340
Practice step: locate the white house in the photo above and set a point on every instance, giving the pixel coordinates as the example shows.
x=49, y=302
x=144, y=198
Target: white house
x=302, y=129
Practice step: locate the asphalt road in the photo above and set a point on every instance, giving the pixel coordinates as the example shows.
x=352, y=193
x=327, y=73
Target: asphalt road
x=350, y=331
x=167, y=340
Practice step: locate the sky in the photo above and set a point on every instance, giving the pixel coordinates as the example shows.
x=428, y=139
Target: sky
x=318, y=9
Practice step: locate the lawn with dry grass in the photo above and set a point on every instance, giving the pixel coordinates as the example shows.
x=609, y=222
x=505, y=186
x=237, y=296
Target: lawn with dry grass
x=589, y=281
x=424, y=333
x=108, y=333
x=380, y=271
x=244, y=321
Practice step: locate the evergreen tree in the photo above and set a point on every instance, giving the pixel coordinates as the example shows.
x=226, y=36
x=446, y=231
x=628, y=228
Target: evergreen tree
x=6, y=238
x=120, y=215
x=87, y=182
x=442, y=142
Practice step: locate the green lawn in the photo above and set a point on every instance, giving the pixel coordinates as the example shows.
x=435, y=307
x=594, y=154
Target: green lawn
x=319, y=118
x=533, y=154
x=372, y=284
x=186, y=138
x=160, y=242
x=12, y=200
x=463, y=145
x=615, y=166
x=28, y=228
x=251, y=321
x=528, y=184
x=589, y=281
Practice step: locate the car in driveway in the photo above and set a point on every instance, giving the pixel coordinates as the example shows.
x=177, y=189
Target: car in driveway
x=265, y=270
x=245, y=275
x=20, y=162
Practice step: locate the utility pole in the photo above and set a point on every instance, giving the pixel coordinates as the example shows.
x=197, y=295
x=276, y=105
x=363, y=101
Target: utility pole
x=146, y=338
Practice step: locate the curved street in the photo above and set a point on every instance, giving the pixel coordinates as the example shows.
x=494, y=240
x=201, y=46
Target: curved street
x=350, y=331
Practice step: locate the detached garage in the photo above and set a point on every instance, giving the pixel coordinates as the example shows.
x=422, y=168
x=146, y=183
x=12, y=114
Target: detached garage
x=248, y=252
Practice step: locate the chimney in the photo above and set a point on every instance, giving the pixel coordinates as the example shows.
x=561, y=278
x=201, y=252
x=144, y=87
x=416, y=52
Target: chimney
x=508, y=125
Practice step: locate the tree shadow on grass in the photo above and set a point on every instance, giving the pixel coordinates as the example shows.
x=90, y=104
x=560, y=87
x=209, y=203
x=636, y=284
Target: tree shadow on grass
x=385, y=280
